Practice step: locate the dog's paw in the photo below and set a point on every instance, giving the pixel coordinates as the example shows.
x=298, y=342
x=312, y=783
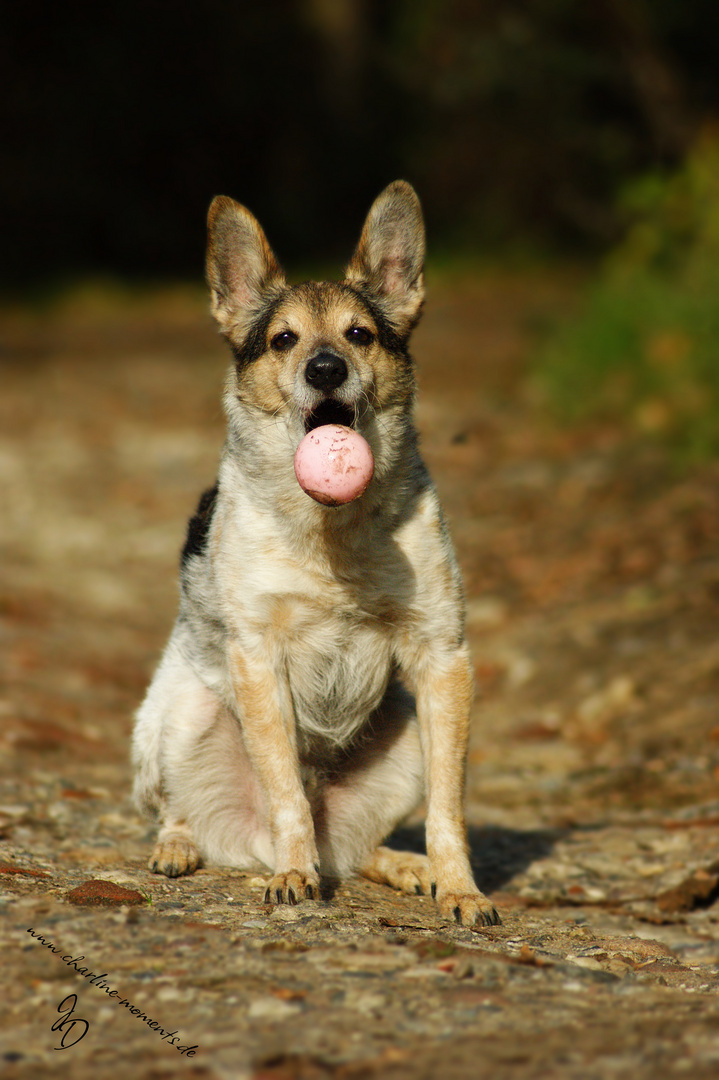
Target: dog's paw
x=405, y=871
x=410, y=874
x=292, y=887
x=468, y=909
x=174, y=856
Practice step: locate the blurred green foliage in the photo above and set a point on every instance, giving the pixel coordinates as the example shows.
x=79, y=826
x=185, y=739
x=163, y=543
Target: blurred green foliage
x=644, y=349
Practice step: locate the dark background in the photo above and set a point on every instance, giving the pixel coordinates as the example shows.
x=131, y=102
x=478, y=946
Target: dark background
x=517, y=122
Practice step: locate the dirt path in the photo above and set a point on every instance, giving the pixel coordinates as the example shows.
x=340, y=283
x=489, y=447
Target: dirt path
x=592, y=576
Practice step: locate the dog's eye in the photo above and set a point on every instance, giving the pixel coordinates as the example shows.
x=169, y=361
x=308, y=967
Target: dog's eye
x=359, y=335
x=285, y=340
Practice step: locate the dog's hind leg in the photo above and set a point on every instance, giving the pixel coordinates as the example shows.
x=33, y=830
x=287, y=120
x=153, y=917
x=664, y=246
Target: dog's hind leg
x=176, y=707
x=193, y=772
x=175, y=712
x=406, y=871
x=367, y=799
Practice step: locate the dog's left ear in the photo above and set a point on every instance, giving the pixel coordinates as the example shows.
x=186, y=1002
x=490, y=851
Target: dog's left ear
x=389, y=258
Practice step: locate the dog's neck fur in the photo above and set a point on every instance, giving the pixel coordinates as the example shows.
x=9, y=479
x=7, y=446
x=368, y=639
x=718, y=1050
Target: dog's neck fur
x=258, y=464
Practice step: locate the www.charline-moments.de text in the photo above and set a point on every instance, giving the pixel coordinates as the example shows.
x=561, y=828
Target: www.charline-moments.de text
x=171, y=1037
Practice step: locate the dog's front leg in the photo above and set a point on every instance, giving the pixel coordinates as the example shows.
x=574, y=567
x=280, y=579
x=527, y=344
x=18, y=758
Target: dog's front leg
x=265, y=707
x=444, y=696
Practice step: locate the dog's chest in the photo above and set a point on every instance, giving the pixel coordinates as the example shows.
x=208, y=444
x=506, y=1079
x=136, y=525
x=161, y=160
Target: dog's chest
x=338, y=662
x=329, y=623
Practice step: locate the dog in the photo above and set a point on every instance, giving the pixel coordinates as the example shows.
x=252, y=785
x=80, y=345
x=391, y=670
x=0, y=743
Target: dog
x=317, y=682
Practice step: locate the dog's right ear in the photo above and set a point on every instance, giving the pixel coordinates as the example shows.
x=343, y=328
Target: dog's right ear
x=241, y=266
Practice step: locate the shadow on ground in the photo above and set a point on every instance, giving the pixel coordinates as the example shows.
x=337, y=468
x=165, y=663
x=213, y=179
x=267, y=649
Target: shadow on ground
x=497, y=854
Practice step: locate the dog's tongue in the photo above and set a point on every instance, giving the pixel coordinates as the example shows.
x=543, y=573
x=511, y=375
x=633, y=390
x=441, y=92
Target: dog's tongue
x=334, y=464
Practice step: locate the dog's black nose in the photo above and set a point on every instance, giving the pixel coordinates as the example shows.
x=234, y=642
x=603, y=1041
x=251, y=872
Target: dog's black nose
x=325, y=371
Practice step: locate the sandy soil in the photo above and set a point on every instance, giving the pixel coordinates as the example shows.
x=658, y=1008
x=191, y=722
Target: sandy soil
x=592, y=574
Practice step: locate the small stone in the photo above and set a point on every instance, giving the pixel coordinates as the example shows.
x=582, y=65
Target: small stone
x=589, y=962
x=285, y=913
x=271, y=1008
x=611, y=699
x=367, y=1002
x=698, y=890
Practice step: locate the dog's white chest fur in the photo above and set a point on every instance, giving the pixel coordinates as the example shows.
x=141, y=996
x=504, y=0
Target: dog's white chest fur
x=329, y=638
x=338, y=667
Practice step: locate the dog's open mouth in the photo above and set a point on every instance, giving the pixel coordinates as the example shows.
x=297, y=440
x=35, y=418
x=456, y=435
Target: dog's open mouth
x=330, y=412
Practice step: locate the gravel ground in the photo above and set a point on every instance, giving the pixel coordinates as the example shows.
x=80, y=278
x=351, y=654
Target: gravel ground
x=592, y=573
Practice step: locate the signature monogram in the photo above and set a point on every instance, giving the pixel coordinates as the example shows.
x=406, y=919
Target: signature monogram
x=67, y=1022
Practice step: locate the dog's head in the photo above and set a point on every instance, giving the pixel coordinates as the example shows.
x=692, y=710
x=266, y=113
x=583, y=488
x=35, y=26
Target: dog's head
x=320, y=352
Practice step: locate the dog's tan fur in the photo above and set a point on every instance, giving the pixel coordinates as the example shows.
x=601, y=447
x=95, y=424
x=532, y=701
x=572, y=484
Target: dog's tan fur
x=317, y=681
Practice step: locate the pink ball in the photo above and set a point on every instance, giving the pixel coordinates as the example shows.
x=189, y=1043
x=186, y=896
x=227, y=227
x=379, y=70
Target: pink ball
x=333, y=464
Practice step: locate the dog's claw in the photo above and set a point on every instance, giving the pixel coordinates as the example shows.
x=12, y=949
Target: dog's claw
x=174, y=856
x=469, y=909
x=292, y=888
